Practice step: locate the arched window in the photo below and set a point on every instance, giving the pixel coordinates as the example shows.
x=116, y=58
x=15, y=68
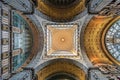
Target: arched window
x=22, y=40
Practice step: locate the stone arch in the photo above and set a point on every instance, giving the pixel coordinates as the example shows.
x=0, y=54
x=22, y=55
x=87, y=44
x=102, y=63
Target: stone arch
x=61, y=65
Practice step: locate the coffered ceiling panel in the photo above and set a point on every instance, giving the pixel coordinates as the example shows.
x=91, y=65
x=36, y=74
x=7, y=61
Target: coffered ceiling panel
x=92, y=39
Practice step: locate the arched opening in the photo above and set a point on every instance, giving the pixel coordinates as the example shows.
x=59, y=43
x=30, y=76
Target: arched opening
x=92, y=43
x=54, y=69
x=25, y=45
x=60, y=10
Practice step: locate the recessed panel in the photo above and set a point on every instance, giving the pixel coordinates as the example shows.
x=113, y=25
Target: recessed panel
x=61, y=40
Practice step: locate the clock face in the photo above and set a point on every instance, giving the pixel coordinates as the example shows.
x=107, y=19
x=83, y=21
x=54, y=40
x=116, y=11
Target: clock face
x=112, y=40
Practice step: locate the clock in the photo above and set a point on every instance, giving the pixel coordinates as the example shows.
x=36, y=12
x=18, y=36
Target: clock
x=112, y=40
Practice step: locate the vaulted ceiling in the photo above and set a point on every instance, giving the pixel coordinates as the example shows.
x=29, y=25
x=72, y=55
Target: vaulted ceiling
x=70, y=29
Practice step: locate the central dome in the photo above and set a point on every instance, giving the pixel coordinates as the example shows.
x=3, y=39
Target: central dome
x=61, y=3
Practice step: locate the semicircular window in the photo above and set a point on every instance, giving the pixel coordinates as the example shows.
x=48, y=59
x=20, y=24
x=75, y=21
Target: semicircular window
x=22, y=41
x=112, y=40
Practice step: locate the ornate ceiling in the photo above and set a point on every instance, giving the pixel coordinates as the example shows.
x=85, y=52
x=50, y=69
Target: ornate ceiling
x=84, y=40
x=62, y=40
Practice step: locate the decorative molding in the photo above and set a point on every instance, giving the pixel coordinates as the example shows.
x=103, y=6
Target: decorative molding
x=25, y=6
x=59, y=49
